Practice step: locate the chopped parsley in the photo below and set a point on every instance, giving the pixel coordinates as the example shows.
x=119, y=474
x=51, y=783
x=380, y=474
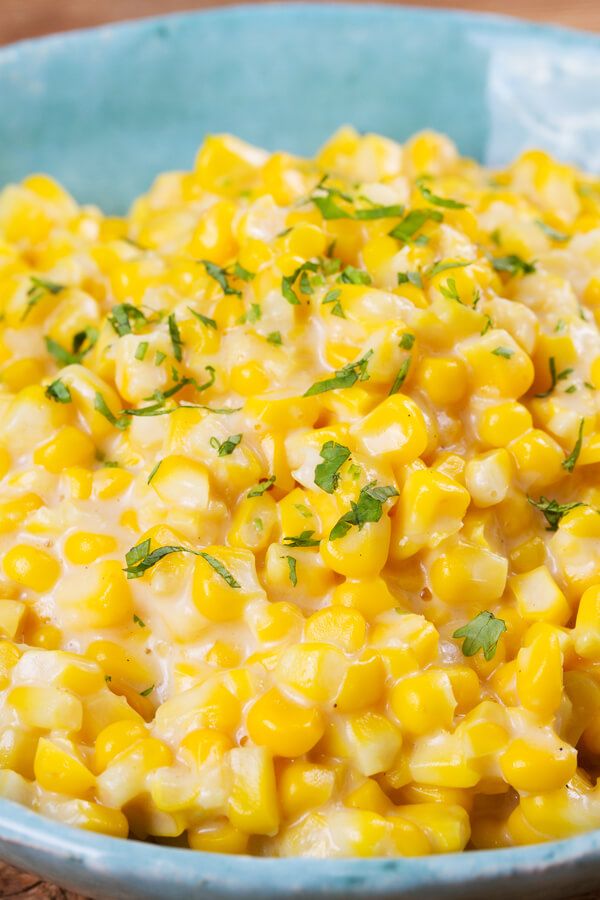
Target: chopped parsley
x=559, y=236
x=154, y=471
x=334, y=456
x=124, y=317
x=444, y=202
x=401, y=376
x=441, y=266
x=138, y=621
x=555, y=377
x=504, y=352
x=141, y=350
x=345, y=377
x=274, y=337
x=413, y=222
x=259, y=489
x=368, y=508
x=242, y=273
x=58, y=391
x=147, y=692
x=449, y=290
x=552, y=510
x=206, y=320
x=101, y=406
x=140, y=558
x=571, y=460
x=227, y=447
x=220, y=275
x=304, y=539
x=351, y=275
x=411, y=278
x=333, y=297
x=407, y=341
x=288, y=281
x=513, y=265
x=291, y=561
x=175, y=336
x=481, y=633
x=40, y=287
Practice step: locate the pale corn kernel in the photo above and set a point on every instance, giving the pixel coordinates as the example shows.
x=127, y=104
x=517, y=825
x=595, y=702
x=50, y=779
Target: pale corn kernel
x=57, y=770
x=539, y=598
x=488, y=478
x=84, y=547
x=31, y=567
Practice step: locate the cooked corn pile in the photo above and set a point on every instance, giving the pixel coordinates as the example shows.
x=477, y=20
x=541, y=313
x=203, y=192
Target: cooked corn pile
x=299, y=530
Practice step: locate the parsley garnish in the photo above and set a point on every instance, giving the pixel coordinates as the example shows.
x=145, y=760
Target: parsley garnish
x=327, y=203
x=343, y=378
x=154, y=471
x=411, y=223
x=142, y=349
x=570, y=461
x=444, y=266
x=147, y=692
x=210, y=323
x=410, y=277
x=514, y=265
x=407, y=341
x=58, y=391
x=334, y=456
x=226, y=447
x=274, y=338
x=488, y=324
x=139, y=559
x=138, y=621
x=218, y=274
x=449, y=290
x=333, y=297
x=504, y=352
x=481, y=633
x=259, y=489
x=379, y=212
x=553, y=510
x=368, y=508
x=291, y=561
x=61, y=356
x=122, y=317
x=101, y=406
x=240, y=272
x=351, y=275
x=304, y=539
x=559, y=236
x=38, y=290
x=444, y=202
x=401, y=376
x=554, y=377
x=288, y=281
x=159, y=358
x=175, y=336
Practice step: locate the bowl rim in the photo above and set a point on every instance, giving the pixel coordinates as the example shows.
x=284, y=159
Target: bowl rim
x=25, y=834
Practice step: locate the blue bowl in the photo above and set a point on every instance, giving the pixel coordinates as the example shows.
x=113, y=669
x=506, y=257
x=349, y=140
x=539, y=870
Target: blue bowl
x=105, y=110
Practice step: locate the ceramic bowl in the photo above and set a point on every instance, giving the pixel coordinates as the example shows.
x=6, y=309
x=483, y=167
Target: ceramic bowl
x=105, y=110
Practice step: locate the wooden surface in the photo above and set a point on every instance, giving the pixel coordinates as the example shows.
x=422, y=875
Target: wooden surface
x=24, y=18
x=27, y=18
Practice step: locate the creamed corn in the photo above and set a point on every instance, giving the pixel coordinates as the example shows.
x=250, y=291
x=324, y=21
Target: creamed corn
x=299, y=492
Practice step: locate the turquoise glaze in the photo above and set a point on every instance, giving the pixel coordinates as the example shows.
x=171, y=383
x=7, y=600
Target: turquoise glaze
x=105, y=110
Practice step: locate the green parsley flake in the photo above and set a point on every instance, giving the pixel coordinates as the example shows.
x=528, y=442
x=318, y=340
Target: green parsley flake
x=481, y=633
x=227, y=446
x=368, y=508
x=334, y=456
x=59, y=392
x=571, y=460
x=343, y=378
x=553, y=510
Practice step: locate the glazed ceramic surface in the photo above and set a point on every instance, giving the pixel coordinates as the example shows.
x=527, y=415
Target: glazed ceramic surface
x=106, y=110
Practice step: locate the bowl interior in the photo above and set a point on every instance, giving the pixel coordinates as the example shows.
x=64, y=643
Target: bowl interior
x=105, y=110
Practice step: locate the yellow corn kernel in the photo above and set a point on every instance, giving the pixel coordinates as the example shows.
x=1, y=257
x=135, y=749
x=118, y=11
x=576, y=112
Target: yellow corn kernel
x=115, y=738
x=225, y=163
x=80, y=482
x=368, y=796
x=98, y=597
x=373, y=742
x=531, y=767
x=431, y=507
x=314, y=670
x=253, y=523
x=285, y=728
x=252, y=802
x=4, y=461
x=31, y=567
x=446, y=827
x=370, y=596
x=488, y=477
x=465, y=687
x=396, y=430
x=468, y=571
x=337, y=625
x=84, y=547
x=22, y=372
x=529, y=555
x=443, y=378
x=213, y=238
x=361, y=553
x=280, y=621
x=47, y=637
x=539, y=598
x=181, y=481
x=216, y=599
x=219, y=836
x=303, y=786
x=119, y=664
x=587, y=626
x=95, y=817
x=540, y=674
x=46, y=707
x=12, y=616
x=424, y=702
x=111, y=482
x=9, y=657
x=363, y=684
x=502, y=423
x=70, y=447
x=497, y=365
x=538, y=458
x=57, y=770
x=13, y=512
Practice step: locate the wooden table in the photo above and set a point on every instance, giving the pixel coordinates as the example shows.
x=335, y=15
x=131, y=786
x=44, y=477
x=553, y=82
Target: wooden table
x=27, y=18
